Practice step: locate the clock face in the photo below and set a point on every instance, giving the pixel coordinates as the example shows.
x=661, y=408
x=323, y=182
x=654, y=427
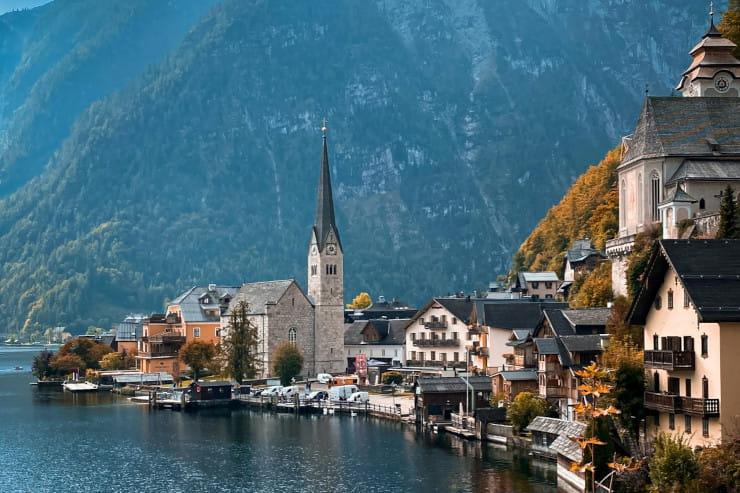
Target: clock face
x=331, y=249
x=722, y=83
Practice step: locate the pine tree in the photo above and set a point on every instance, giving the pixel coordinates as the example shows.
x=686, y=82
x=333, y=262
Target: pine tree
x=728, y=224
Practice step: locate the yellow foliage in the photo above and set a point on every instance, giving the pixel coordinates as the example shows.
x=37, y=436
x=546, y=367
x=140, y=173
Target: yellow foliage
x=360, y=301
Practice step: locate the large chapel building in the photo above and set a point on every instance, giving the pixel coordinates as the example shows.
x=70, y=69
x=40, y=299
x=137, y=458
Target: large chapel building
x=281, y=310
x=683, y=153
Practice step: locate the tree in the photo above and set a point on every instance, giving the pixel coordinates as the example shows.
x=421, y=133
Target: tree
x=719, y=468
x=239, y=347
x=360, y=301
x=391, y=377
x=287, y=362
x=728, y=223
x=88, y=351
x=63, y=364
x=730, y=25
x=198, y=356
x=525, y=408
x=118, y=361
x=673, y=465
x=41, y=367
x=619, y=328
x=596, y=289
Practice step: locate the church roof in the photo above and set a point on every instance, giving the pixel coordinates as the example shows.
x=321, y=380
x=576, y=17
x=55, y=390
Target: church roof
x=194, y=309
x=690, y=127
x=711, y=170
x=325, y=222
x=260, y=294
x=678, y=194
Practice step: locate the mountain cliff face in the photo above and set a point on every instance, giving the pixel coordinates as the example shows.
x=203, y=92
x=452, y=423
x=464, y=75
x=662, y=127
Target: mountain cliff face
x=150, y=146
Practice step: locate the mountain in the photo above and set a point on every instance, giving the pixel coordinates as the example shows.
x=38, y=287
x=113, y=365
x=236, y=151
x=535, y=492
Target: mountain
x=152, y=146
x=8, y=5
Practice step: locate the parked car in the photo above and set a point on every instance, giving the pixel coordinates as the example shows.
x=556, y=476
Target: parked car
x=359, y=397
x=323, y=377
x=317, y=395
x=290, y=391
x=273, y=390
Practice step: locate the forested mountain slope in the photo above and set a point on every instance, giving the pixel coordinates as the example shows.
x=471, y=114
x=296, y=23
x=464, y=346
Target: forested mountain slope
x=149, y=146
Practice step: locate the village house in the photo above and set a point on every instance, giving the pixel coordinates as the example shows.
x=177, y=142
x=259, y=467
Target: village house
x=438, y=335
x=683, y=153
x=537, y=285
x=689, y=306
x=435, y=399
x=380, y=340
x=579, y=260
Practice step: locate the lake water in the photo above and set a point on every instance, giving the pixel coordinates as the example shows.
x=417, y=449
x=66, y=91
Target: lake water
x=53, y=441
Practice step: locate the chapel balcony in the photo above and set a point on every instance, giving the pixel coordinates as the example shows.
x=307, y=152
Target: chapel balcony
x=436, y=325
x=669, y=360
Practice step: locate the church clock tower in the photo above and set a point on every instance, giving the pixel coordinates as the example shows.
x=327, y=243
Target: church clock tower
x=325, y=278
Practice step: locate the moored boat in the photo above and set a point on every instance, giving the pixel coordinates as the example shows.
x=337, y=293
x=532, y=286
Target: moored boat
x=74, y=386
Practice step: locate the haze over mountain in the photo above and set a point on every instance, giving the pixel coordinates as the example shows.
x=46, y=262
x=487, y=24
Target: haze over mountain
x=150, y=146
x=7, y=5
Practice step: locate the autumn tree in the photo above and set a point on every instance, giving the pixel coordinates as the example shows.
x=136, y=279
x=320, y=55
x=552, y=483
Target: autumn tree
x=90, y=352
x=391, y=377
x=118, y=361
x=63, y=364
x=287, y=362
x=41, y=367
x=730, y=25
x=728, y=215
x=360, y=301
x=525, y=408
x=595, y=289
x=239, y=347
x=198, y=356
x=638, y=259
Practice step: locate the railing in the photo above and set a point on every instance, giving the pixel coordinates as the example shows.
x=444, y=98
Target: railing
x=479, y=351
x=669, y=360
x=555, y=391
x=435, y=325
x=667, y=403
x=435, y=363
x=158, y=354
x=436, y=342
x=698, y=406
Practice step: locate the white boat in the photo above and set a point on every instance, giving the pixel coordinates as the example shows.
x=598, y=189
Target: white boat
x=73, y=386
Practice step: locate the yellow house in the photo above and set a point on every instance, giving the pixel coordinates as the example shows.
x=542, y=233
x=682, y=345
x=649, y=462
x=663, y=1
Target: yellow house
x=689, y=305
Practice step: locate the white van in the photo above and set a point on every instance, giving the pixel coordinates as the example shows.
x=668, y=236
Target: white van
x=289, y=392
x=323, y=377
x=359, y=397
x=342, y=392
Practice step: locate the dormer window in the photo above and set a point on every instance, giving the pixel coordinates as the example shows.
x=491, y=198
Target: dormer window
x=206, y=300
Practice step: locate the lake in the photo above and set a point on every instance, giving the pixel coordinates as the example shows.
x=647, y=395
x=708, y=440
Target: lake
x=53, y=440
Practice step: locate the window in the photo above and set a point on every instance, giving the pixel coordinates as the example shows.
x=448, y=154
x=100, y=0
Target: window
x=413, y=355
x=670, y=299
x=658, y=302
x=432, y=355
x=548, y=296
x=674, y=385
x=657, y=419
x=218, y=331
x=686, y=300
x=704, y=346
x=292, y=335
x=702, y=204
x=705, y=387
x=423, y=336
x=421, y=321
x=413, y=336
x=656, y=381
x=705, y=427
x=382, y=352
x=655, y=195
x=196, y=331
x=454, y=320
x=688, y=343
x=314, y=270
x=456, y=356
x=444, y=357
x=688, y=387
x=656, y=342
x=671, y=421
x=687, y=424
x=535, y=285
x=454, y=336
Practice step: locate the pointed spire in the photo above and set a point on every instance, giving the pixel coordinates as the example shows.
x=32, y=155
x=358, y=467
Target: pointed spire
x=712, y=32
x=324, y=222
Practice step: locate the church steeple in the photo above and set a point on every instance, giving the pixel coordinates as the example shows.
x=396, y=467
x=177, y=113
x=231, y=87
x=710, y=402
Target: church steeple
x=325, y=223
x=714, y=71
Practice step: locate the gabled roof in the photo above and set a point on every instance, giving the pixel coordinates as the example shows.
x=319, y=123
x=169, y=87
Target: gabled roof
x=709, y=170
x=461, y=308
x=518, y=375
x=582, y=343
x=390, y=331
x=677, y=126
x=554, y=345
x=709, y=271
x=444, y=385
x=678, y=195
x=521, y=314
x=577, y=321
x=261, y=294
x=193, y=310
x=538, y=276
x=566, y=447
x=581, y=251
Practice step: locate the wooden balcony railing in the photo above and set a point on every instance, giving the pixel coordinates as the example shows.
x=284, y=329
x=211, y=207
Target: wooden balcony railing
x=665, y=403
x=669, y=360
x=437, y=342
x=698, y=406
x=435, y=325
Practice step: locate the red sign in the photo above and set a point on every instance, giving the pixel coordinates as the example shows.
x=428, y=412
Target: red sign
x=361, y=363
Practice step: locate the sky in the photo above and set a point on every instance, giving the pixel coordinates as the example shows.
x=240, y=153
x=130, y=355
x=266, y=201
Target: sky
x=7, y=5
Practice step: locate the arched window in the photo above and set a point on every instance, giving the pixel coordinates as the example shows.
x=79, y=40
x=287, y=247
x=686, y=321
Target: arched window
x=622, y=203
x=292, y=335
x=655, y=195
x=702, y=204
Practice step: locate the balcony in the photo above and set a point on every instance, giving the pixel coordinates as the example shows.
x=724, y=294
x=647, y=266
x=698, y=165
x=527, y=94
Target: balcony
x=664, y=403
x=436, y=325
x=435, y=363
x=698, y=407
x=476, y=330
x=669, y=360
x=479, y=351
x=437, y=342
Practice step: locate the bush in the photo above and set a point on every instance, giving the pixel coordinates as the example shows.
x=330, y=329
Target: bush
x=524, y=409
x=391, y=377
x=673, y=466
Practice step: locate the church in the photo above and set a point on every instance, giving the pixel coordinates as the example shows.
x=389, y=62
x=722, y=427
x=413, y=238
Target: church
x=281, y=310
x=683, y=153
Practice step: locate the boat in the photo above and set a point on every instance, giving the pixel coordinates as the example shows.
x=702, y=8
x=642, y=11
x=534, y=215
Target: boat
x=18, y=368
x=75, y=386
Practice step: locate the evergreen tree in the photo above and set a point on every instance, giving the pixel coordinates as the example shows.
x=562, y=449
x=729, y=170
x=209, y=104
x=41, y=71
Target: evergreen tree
x=239, y=347
x=728, y=224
